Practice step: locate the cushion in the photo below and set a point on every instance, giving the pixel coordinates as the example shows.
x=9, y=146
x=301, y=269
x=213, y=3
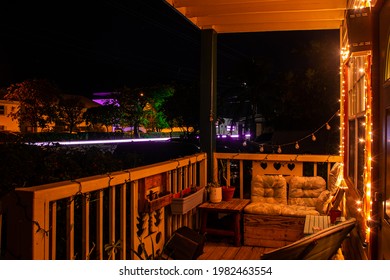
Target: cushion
x=269, y=189
x=299, y=211
x=304, y=190
x=335, y=177
x=323, y=202
x=264, y=208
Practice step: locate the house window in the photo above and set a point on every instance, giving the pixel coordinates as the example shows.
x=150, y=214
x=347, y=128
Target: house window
x=356, y=115
x=2, y=110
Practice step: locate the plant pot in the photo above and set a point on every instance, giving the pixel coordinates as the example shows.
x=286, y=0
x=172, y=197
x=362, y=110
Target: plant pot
x=228, y=193
x=181, y=205
x=215, y=195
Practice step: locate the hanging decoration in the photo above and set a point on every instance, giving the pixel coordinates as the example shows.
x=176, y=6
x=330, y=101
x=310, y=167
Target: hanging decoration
x=279, y=147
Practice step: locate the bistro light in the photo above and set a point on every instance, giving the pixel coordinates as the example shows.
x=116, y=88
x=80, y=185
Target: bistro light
x=296, y=142
x=261, y=148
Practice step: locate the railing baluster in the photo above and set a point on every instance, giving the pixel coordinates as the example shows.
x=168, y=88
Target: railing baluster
x=134, y=191
x=228, y=165
x=53, y=231
x=122, y=221
x=99, y=225
x=70, y=226
x=241, y=179
x=85, y=228
x=111, y=219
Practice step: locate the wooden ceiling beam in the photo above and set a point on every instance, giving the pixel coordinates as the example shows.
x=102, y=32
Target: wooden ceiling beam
x=280, y=26
x=246, y=8
x=271, y=17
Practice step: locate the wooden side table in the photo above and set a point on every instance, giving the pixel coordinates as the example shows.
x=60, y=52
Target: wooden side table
x=235, y=207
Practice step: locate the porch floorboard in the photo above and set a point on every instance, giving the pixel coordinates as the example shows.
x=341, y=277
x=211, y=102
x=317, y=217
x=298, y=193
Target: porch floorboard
x=214, y=250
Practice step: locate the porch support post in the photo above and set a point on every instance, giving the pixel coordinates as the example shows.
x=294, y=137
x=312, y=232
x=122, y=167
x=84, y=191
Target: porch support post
x=208, y=97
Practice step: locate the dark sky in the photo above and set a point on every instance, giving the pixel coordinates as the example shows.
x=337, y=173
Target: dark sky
x=94, y=46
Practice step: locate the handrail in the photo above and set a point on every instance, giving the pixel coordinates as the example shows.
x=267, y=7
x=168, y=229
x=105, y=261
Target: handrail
x=113, y=199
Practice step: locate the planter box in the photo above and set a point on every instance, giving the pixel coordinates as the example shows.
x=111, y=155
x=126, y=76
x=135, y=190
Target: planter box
x=181, y=205
x=158, y=203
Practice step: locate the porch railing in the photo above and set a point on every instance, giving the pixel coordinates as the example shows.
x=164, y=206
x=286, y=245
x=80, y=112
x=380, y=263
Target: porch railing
x=97, y=217
x=100, y=217
x=237, y=168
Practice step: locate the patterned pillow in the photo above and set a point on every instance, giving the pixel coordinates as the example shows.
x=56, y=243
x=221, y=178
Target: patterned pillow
x=304, y=190
x=323, y=201
x=269, y=189
x=335, y=177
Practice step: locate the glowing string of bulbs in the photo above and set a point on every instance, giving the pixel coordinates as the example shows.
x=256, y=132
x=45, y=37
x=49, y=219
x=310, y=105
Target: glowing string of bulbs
x=296, y=142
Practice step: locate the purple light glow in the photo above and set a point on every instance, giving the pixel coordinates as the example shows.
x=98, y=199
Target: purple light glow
x=92, y=142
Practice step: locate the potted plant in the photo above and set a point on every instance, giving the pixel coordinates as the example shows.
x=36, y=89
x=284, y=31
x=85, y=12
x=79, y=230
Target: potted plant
x=215, y=192
x=227, y=190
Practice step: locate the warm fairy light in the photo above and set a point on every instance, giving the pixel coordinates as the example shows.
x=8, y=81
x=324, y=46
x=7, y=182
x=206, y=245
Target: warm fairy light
x=261, y=148
x=279, y=149
x=313, y=137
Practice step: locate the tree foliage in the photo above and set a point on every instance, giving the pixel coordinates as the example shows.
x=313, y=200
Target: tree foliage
x=70, y=111
x=131, y=105
x=107, y=115
x=182, y=108
x=37, y=100
x=155, y=113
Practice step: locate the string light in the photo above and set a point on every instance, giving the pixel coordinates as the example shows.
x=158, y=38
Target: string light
x=296, y=142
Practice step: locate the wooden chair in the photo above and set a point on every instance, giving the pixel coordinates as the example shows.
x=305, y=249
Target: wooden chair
x=322, y=245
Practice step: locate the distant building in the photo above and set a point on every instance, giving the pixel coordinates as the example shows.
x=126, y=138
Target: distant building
x=6, y=122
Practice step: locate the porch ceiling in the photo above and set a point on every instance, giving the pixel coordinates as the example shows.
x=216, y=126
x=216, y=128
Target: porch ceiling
x=234, y=16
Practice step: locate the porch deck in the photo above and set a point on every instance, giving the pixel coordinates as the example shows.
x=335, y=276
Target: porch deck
x=223, y=250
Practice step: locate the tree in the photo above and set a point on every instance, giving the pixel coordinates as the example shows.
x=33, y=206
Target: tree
x=182, y=108
x=107, y=115
x=155, y=117
x=70, y=111
x=131, y=105
x=37, y=100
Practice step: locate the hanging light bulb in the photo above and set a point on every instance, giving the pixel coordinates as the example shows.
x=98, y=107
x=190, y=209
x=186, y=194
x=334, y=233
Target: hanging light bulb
x=327, y=126
x=244, y=144
x=296, y=145
x=313, y=137
x=279, y=149
x=261, y=148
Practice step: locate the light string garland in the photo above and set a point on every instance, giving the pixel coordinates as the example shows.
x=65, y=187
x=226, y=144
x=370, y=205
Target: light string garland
x=312, y=135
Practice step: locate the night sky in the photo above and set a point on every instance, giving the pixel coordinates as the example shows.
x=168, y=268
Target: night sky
x=97, y=46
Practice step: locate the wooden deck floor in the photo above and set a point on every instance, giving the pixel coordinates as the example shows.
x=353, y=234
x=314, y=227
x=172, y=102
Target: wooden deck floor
x=221, y=250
